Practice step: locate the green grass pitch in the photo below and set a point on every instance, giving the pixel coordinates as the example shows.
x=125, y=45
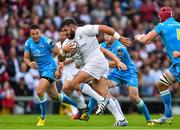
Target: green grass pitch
x=58, y=122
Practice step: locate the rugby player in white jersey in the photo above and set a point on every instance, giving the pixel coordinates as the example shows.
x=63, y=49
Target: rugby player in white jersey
x=95, y=66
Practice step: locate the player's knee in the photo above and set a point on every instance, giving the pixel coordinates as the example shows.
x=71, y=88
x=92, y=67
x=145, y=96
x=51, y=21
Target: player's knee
x=162, y=84
x=66, y=89
x=134, y=98
x=40, y=92
x=75, y=85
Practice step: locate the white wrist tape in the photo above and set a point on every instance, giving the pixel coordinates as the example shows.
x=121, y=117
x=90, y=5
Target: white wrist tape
x=116, y=35
x=62, y=53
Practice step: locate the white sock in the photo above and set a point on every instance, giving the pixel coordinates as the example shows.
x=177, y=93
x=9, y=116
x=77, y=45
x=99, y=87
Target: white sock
x=118, y=106
x=113, y=109
x=77, y=98
x=85, y=88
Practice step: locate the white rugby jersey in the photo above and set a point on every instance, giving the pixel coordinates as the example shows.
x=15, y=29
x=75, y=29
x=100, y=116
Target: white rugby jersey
x=88, y=46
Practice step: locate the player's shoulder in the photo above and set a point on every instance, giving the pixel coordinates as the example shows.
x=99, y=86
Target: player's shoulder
x=28, y=41
x=103, y=44
x=119, y=45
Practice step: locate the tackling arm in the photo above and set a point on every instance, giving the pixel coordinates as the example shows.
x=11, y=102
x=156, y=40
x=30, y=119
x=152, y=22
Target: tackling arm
x=146, y=39
x=114, y=58
x=111, y=31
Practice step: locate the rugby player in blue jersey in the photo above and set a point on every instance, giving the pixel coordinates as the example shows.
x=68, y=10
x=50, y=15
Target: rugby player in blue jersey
x=169, y=31
x=40, y=48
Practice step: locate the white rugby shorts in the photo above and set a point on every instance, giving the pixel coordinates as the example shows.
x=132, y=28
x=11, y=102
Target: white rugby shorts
x=96, y=67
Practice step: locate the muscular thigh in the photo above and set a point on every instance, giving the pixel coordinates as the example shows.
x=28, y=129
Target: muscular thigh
x=43, y=85
x=81, y=77
x=101, y=87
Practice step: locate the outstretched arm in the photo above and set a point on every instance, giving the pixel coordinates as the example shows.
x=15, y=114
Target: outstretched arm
x=146, y=38
x=111, y=31
x=119, y=64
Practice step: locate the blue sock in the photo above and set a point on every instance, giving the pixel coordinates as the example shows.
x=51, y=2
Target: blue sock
x=167, y=101
x=42, y=104
x=91, y=105
x=143, y=109
x=66, y=99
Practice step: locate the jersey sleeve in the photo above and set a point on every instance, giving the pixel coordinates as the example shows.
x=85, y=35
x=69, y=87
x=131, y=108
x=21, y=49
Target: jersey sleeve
x=103, y=44
x=50, y=44
x=26, y=47
x=90, y=30
x=158, y=28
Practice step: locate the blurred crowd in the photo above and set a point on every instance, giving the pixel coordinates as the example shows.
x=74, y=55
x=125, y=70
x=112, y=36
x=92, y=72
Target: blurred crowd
x=128, y=17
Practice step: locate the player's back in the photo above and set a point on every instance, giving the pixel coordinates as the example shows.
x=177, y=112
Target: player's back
x=169, y=31
x=41, y=52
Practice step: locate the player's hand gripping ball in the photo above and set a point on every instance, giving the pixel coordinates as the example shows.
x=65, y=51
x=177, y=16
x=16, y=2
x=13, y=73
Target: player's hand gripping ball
x=70, y=49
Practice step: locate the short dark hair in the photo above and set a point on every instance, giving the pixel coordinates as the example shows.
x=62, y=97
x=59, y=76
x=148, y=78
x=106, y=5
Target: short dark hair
x=34, y=26
x=67, y=21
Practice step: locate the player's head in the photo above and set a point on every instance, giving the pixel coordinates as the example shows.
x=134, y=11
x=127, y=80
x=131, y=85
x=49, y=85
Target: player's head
x=69, y=27
x=108, y=39
x=165, y=13
x=35, y=33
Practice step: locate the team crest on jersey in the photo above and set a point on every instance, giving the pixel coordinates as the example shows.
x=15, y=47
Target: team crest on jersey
x=120, y=52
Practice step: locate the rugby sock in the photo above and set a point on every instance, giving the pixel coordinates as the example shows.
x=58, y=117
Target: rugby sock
x=78, y=99
x=85, y=88
x=143, y=109
x=113, y=109
x=66, y=99
x=42, y=103
x=167, y=101
x=118, y=106
x=91, y=105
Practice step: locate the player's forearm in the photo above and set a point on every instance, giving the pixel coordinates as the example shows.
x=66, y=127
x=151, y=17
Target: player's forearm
x=111, y=55
x=61, y=58
x=27, y=61
x=68, y=61
x=112, y=64
x=106, y=29
x=146, y=39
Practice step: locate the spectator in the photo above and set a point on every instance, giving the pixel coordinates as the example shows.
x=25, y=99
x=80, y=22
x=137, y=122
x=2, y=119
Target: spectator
x=8, y=100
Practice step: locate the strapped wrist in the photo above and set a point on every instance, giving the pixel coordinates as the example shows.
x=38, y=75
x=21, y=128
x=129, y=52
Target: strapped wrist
x=116, y=35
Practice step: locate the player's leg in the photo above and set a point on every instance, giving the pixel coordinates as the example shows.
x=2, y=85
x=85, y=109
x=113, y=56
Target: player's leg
x=41, y=89
x=81, y=105
x=82, y=77
x=91, y=105
x=112, y=84
x=59, y=97
x=166, y=80
x=47, y=77
x=69, y=90
x=134, y=96
x=101, y=87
